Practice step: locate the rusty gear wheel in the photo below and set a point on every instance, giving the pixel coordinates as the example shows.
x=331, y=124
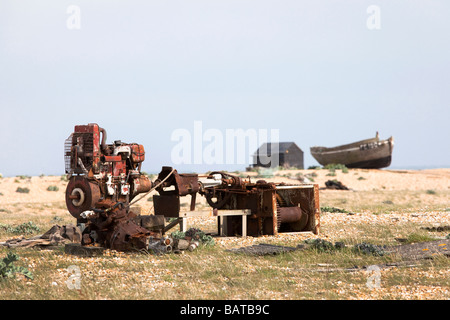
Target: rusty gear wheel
x=278, y=216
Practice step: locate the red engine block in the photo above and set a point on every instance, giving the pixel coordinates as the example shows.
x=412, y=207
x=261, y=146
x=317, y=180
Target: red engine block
x=101, y=175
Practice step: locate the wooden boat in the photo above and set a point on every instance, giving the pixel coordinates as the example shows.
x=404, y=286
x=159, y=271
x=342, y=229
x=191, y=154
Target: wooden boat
x=369, y=154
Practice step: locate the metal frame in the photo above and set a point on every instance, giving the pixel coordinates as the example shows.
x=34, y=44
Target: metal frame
x=221, y=227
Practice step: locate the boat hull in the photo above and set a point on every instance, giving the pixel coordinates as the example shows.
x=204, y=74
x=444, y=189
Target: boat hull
x=367, y=154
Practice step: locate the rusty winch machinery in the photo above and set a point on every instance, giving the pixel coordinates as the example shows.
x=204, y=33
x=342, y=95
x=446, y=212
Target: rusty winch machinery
x=106, y=179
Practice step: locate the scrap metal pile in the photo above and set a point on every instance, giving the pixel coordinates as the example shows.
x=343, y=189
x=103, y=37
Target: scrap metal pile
x=106, y=179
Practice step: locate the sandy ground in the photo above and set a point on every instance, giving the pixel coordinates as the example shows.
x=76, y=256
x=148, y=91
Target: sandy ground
x=407, y=194
x=355, y=179
x=402, y=202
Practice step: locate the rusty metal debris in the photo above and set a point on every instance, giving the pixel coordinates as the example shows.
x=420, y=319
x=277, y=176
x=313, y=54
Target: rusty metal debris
x=106, y=179
x=336, y=185
x=169, y=244
x=421, y=250
x=273, y=207
x=55, y=236
x=103, y=179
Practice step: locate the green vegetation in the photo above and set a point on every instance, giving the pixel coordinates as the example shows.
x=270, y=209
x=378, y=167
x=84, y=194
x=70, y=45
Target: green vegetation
x=56, y=219
x=335, y=166
x=52, y=188
x=332, y=209
x=24, y=228
x=23, y=177
x=330, y=268
x=22, y=190
x=321, y=245
x=368, y=248
x=9, y=270
x=194, y=234
x=419, y=237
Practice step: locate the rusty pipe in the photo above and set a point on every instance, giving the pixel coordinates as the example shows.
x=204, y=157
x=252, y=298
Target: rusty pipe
x=103, y=143
x=290, y=214
x=293, y=217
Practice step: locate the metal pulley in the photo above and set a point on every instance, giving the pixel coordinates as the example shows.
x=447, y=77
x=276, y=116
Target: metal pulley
x=81, y=195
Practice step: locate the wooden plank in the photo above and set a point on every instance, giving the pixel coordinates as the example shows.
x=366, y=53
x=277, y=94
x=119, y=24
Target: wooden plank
x=183, y=225
x=224, y=213
x=244, y=225
x=196, y=213
x=209, y=213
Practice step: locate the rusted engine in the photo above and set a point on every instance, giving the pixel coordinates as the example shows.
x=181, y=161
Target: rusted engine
x=103, y=179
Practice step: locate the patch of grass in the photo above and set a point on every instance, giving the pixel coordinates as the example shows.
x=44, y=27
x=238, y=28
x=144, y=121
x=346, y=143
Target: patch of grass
x=335, y=166
x=419, y=237
x=24, y=228
x=321, y=245
x=194, y=234
x=22, y=190
x=265, y=172
x=57, y=219
x=368, y=248
x=209, y=272
x=361, y=178
x=430, y=191
x=23, y=177
x=332, y=209
x=52, y=188
x=9, y=270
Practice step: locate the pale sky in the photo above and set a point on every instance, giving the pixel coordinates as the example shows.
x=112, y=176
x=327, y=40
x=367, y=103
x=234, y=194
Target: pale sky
x=142, y=69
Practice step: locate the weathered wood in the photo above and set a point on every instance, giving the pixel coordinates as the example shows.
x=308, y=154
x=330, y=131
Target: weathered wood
x=370, y=153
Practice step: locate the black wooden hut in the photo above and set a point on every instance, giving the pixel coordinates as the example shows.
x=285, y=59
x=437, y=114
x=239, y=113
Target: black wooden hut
x=283, y=154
